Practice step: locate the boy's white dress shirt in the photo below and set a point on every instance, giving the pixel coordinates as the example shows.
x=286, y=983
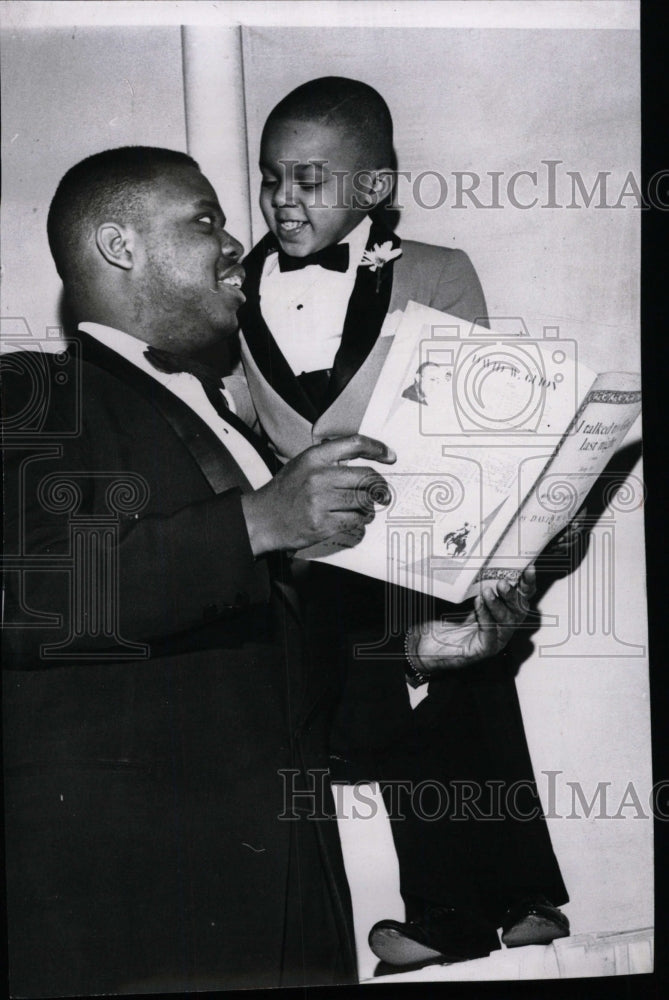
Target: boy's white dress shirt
x=188, y=388
x=306, y=309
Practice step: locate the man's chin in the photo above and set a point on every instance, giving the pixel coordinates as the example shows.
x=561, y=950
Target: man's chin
x=229, y=328
x=224, y=324
x=222, y=352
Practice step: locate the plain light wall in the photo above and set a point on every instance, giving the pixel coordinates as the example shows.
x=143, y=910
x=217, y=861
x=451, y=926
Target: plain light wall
x=215, y=122
x=504, y=100
x=67, y=93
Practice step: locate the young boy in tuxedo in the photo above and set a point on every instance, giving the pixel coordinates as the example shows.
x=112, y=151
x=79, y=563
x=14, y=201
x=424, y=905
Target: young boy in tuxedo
x=318, y=288
x=326, y=159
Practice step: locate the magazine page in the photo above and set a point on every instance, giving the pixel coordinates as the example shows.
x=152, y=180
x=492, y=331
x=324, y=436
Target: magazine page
x=550, y=497
x=464, y=407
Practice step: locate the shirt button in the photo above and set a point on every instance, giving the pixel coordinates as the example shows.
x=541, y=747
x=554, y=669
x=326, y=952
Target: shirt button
x=300, y=306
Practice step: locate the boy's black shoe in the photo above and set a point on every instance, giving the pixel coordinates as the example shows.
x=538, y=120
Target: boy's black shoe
x=534, y=920
x=441, y=935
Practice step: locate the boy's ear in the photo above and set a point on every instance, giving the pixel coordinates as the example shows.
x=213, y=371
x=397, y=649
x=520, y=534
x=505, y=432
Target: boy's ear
x=382, y=184
x=115, y=243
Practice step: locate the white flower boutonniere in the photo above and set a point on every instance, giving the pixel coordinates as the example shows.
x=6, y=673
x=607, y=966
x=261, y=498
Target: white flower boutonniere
x=375, y=258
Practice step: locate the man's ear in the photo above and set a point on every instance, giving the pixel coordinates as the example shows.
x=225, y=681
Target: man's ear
x=116, y=244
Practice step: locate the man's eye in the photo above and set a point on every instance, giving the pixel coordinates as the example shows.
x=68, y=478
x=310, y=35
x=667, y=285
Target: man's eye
x=267, y=182
x=309, y=185
x=210, y=221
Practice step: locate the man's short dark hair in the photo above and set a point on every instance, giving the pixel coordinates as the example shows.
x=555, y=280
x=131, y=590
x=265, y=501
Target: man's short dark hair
x=351, y=105
x=108, y=185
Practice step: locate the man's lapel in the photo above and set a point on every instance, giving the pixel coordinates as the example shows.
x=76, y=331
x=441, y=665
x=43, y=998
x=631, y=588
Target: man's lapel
x=264, y=349
x=217, y=465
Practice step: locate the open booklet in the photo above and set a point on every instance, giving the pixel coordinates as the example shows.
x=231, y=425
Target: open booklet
x=499, y=438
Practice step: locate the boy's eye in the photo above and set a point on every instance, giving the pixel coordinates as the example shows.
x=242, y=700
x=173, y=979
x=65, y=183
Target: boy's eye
x=207, y=220
x=267, y=182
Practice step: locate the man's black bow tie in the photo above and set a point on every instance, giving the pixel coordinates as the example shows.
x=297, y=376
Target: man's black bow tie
x=333, y=258
x=167, y=361
x=171, y=364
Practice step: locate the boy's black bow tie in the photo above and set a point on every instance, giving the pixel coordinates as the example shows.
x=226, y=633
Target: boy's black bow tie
x=333, y=258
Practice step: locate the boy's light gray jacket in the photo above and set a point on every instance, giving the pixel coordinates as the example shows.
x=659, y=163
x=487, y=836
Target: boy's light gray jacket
x=442, y=278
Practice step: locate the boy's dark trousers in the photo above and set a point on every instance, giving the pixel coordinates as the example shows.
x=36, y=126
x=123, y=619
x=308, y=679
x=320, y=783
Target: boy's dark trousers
x=455, y=771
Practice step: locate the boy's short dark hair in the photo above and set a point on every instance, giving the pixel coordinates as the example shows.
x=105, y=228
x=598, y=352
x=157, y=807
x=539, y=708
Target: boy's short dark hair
x=351, y=104
x=109, y=185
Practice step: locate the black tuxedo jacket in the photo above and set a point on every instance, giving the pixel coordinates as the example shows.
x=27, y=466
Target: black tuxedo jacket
x=158, y=703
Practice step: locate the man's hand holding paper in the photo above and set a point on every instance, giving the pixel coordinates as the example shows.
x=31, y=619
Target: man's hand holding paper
x=316, y=496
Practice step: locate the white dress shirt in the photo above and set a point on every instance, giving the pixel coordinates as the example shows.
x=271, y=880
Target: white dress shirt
x=189, y=389
x=305, y=309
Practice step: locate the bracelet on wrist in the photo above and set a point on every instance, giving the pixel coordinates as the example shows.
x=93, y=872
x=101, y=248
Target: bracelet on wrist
x=414, y=675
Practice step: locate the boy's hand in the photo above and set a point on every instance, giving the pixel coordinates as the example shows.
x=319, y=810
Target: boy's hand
x=485, y=632
x=315, y=496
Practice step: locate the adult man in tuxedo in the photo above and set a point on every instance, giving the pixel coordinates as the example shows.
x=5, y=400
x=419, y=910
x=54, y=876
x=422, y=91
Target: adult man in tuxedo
x=156, y=684
x=158, y=699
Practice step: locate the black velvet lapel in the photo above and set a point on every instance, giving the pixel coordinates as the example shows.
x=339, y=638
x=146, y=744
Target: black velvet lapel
x=262, y=345
x=367, y=309
x=217, y=465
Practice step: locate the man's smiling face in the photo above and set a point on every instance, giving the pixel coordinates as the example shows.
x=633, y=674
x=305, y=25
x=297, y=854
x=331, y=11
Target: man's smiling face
x=313, y=190
x=186, y=275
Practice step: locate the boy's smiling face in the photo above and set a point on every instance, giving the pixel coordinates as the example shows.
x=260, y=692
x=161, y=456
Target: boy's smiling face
x=315, y=189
